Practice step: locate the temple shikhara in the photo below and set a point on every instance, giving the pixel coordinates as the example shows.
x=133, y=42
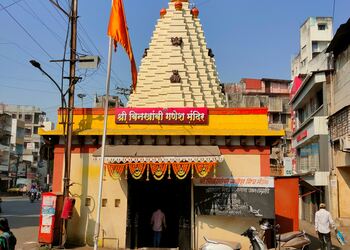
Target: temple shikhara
x=175, y=147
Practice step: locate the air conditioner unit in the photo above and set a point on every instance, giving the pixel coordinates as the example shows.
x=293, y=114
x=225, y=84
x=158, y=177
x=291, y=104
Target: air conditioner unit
x=344, y=143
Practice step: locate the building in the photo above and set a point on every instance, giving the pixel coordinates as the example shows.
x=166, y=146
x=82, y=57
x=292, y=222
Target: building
x=274, y=95
x=113, y=102
x=315, y=35
x=5, y=149
x=339, y=125
x=309, y=97
x=33, y=118
x=174, y=146
x=17, y=147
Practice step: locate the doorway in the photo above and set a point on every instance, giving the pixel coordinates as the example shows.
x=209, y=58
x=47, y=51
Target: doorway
x=173, y=196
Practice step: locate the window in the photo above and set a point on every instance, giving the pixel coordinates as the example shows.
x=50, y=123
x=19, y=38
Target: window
x=14, y=116
x=284, y=118
x=28, y=118
x=322, y=26
x=275, y=118
x=319, y=98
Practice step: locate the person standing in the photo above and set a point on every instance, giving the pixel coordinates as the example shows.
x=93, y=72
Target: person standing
x=158, y=223
x=7, y=239
x=323, y=222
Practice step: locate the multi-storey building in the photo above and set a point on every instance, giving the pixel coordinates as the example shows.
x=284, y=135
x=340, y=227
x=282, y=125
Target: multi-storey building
x=309, y=116
x=315, y=35
x=33, y=118
x=274, y=95
x=5, y=135
x=339, y=124
x=17, y=148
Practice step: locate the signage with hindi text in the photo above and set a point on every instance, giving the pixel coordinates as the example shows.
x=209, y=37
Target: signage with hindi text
x=239, y=196
x=161, y=116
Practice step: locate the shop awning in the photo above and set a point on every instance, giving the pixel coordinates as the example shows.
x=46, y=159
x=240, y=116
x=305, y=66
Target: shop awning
x=159, y=153
x=307, y=188
x=158, y=160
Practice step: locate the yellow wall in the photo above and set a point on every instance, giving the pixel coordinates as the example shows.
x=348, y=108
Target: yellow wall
x=239, y=165
x=85, y=175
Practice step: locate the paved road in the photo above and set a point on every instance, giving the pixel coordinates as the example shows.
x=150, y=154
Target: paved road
x=23, y=217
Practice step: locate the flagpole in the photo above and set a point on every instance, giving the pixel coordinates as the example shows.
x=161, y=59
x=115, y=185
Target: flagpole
x=98, y=217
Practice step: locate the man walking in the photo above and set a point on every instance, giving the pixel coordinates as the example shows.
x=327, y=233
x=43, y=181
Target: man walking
x=323, y=222
x=157, y=222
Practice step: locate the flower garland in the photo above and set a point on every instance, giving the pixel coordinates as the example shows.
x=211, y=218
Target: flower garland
x=159, y=169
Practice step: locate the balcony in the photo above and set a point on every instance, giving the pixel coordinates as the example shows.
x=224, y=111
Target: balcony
x=276, y=126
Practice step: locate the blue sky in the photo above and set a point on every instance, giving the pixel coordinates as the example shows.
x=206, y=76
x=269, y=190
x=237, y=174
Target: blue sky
x=249, y=38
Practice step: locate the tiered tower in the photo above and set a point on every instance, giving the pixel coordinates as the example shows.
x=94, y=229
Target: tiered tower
x=178, y=70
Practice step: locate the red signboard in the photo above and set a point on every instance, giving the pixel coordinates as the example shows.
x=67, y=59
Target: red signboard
x=161, y=116
x=302, y=135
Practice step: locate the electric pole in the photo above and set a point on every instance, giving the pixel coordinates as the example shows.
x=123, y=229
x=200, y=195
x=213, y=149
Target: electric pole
x=72, y=82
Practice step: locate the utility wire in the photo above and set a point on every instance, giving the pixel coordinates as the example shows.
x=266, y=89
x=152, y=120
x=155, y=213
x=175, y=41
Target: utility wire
x=5, y=7
x=27, y=32
x=31, y=12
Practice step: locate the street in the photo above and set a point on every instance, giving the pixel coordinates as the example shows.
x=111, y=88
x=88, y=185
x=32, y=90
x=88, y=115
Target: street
x=23, y=218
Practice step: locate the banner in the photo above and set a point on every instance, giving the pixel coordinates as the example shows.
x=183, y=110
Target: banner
x=241, y=196
x=161, y=116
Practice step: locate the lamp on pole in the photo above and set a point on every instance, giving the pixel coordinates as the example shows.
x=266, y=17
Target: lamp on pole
x=64, y=121
x=81, y=96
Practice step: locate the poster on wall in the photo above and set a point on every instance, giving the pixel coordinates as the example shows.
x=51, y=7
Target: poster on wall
x=239, y=196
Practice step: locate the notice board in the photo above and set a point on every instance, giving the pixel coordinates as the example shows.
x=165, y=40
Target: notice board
x=240, y=196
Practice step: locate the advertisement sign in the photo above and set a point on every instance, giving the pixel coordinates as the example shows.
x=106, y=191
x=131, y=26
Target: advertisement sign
x=288, y=166
x=161, y=116
x=240, y=196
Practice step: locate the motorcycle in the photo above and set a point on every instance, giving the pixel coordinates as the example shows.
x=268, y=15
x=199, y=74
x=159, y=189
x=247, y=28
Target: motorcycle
x=32, y=196
x=290, y=240
x=287, y=241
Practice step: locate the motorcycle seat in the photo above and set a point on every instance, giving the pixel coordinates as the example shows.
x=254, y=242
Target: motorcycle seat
x=288, y=236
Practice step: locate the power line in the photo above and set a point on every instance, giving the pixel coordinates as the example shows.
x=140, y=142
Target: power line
x=5, y=7
x=27, y=89
x=26, y=31
x=33, y=14
x=333, y=10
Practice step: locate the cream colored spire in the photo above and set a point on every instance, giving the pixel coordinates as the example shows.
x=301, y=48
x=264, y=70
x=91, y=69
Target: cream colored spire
x=199, y=85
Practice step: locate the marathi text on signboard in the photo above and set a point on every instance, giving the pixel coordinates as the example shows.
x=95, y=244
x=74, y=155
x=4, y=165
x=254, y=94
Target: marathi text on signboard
x=161, y=116
x=241, y=196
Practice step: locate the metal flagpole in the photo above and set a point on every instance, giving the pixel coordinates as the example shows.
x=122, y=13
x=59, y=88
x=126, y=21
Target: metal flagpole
x=98, y=217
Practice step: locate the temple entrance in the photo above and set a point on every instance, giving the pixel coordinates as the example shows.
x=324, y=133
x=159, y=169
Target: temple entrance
x=173, y=196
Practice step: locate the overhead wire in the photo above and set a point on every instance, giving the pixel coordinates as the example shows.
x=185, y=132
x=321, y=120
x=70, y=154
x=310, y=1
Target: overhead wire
x=5, y=7
x=31, y=12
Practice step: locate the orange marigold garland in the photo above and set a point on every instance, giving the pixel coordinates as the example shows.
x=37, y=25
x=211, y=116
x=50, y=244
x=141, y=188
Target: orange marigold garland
x=158, y=170
x=203, y=168
x=115, y=170
x=181, y=169
x=137, y=169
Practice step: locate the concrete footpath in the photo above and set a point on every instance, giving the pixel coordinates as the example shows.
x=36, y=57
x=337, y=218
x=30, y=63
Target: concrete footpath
x=315, y=245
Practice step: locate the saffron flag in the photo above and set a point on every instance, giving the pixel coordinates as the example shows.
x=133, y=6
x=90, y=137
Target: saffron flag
x=118, y=31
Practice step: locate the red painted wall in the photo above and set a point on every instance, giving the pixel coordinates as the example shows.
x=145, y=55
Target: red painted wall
x=287, y=203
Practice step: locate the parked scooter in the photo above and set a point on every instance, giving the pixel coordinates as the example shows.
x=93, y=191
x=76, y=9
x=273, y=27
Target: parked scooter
x=290, y=240
x=220, y=245
x=251, y=233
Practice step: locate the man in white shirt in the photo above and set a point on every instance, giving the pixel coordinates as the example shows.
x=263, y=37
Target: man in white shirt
x=323, y=222
x=157, y=222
